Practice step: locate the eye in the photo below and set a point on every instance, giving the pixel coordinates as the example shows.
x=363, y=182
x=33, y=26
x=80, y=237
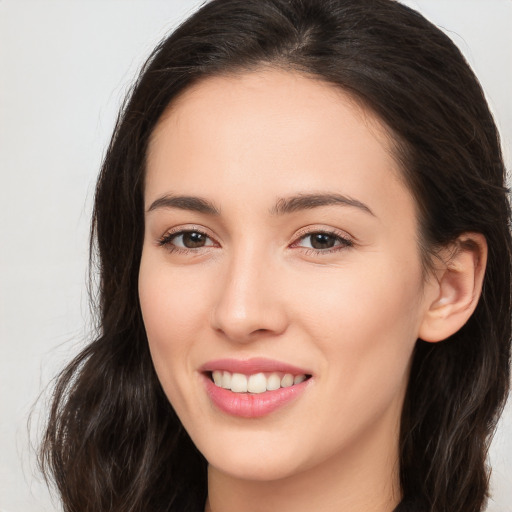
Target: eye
x=185, y=240
x=323, y=242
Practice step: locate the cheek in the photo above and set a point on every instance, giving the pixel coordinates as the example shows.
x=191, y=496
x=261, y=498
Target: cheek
x=171, y=299
x=367, y=326
x=359, y=299
x=171, y=305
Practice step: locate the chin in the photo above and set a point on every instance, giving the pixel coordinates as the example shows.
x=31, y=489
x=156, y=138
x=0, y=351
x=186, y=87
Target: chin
x=257, y=469
x=250, y=457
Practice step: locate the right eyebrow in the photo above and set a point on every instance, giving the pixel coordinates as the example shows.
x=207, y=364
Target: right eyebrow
x=307, y=201
x=196, y=204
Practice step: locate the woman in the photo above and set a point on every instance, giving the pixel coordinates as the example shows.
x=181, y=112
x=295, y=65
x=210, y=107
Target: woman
x=304, y=247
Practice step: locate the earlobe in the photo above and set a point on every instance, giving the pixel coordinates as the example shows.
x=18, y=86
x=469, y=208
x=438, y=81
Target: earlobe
x=455, y=288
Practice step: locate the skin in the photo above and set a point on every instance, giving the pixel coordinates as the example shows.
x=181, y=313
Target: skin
x=255, y=289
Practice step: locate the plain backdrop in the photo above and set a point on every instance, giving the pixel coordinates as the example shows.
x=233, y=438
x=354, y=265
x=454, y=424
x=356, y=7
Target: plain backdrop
x=65, y=66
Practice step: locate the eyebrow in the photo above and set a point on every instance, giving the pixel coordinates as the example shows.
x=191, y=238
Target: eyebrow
x=309, y=201
x=192, y=203
x=283, y=206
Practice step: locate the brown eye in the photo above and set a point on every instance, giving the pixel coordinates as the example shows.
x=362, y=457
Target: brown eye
x=183, y=240
x=192, y=239
x=322, y=240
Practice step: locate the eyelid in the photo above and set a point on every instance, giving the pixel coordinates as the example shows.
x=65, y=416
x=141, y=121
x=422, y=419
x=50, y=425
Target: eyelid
x=346, y=240
x=310, y=230
x=165, y=239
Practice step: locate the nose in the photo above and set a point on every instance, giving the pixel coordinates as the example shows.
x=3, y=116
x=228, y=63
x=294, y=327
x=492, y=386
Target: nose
x=249, y=302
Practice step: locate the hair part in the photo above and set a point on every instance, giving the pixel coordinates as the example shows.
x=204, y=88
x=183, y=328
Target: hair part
x=113, y=441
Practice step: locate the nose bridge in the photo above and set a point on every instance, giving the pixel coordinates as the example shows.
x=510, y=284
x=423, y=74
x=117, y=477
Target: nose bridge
x=248, y=301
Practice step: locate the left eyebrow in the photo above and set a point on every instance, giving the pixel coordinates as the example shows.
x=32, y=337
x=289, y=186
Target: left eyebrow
x=192, y=203
x=298, y=202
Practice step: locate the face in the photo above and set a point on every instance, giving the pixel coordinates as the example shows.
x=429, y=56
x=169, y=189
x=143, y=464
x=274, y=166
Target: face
x=280, y=247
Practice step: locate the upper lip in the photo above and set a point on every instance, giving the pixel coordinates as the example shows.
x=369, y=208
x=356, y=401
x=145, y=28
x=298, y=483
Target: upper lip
x=252, y=366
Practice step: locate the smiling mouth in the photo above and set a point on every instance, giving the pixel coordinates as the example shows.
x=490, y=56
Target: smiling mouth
x=255, y=383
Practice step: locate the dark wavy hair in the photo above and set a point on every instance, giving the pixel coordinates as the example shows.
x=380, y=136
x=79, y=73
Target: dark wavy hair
x=113, y=442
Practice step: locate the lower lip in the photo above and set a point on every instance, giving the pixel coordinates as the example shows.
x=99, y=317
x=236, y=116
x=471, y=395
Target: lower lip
x=249, y=405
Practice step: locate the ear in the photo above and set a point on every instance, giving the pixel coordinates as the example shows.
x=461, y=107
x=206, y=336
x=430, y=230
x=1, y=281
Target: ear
x=454, y=287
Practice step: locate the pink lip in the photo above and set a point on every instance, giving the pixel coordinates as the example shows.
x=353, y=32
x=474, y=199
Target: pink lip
x=250, y=366
x=248, y=405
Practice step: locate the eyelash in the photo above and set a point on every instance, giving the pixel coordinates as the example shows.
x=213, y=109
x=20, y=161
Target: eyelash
x=166, y=241
x=344, y=242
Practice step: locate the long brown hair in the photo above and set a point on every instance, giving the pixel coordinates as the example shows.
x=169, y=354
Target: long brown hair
x=113, y=442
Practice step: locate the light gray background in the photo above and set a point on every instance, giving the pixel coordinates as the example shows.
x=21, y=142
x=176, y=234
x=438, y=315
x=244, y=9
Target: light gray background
x=65, y=65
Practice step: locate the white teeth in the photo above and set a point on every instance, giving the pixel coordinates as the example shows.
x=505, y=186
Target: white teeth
x=273, y=382
x=287, y=380
x=299, y=378
x=226, y=380
x=256, y=383
x=239, y=383
x=217, y=378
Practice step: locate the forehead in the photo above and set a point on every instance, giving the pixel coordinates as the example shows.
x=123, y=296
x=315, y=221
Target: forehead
x=272, y=94
x=266, y=131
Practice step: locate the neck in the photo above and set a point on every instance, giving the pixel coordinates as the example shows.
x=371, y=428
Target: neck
x=363, y=478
